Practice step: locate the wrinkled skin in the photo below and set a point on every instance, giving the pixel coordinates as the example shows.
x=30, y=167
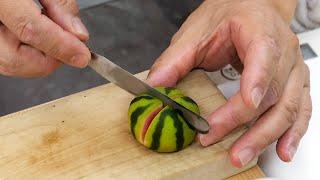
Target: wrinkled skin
x=33, y=43
x=275, y=87
x=255, y=34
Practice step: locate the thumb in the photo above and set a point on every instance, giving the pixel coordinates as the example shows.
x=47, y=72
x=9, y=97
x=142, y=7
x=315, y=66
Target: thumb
x=66, y=14
x=173, y=64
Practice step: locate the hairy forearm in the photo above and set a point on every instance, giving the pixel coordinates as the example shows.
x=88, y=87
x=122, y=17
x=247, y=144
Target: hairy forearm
x=286, y=8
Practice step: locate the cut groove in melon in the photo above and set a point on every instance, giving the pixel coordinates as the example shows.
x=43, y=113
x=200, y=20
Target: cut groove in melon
x=148, y=121
x=175, y=97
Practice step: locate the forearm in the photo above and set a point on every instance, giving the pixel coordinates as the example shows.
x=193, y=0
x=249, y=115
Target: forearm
x=286, y=8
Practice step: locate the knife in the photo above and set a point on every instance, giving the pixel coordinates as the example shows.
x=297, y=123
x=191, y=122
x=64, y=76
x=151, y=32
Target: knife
x=135, y=86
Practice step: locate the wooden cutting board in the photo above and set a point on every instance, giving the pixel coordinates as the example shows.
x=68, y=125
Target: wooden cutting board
x=86, y=135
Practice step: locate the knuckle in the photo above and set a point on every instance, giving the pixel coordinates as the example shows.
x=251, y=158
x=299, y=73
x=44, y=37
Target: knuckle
x=298, y=133
x=272, y=96
x=27, y=32
x=67, y=4
x=235, y=119
x=265, y=73
x=266, y=139
x=307, y=111
x=294, y=41
x=274, y=91
x=55, y=51
x=306, y=69
x=307, y=76
x=62, y=2
x=25, y=29
x=271, y=44
x=307, y=115
x=291, y=108
x=236, y=24
x=71, y=5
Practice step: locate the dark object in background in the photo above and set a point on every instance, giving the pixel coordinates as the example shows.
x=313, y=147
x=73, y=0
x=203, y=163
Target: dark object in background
x=132, y=33
x=177, y=11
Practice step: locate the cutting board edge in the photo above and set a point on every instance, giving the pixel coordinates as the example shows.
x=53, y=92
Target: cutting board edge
x=206, y=174
x=83, y=93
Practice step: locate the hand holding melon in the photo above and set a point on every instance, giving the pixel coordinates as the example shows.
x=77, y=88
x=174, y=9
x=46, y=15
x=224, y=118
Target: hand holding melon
x=158, y=127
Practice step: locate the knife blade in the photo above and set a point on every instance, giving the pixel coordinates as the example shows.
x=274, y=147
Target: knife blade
x=135, y=86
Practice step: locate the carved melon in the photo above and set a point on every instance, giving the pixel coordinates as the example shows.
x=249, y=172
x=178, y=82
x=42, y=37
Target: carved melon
x=158, y=127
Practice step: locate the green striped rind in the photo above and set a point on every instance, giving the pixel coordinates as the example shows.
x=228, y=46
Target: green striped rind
x=140, y=108
x=168, y=131
x=170, y=91
x=188, y=103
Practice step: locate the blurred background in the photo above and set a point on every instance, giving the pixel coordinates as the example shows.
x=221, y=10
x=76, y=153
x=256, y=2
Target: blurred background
x=132, y=33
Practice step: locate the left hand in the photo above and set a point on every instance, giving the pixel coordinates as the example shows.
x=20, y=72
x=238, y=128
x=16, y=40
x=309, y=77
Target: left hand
x=274, y=83
x=34, y=43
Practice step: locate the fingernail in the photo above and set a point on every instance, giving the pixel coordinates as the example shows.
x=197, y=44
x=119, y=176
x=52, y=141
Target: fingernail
x=156, y=78
x=202, y=140
x=246, y=155
x=292, y=151
x=80, y=61
x=256, y=96
x=271, y=96
x=292, y=148
x=150, y=80
x=79, y=26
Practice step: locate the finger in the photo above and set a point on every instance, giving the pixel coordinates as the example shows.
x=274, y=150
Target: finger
x=261, y=58
x=238, y=116
x=289, y=142
x=272, y=124
x=260, y=54
x=173, y=64
x=29, y=62
x=37, y=30
x=228, y=117
x=65, y=14
x=190, y=48
x=21, y=60
x=236, y=112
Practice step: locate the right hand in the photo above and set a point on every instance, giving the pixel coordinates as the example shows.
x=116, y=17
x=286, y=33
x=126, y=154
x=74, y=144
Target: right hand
x=33, y=44
x=274, y=86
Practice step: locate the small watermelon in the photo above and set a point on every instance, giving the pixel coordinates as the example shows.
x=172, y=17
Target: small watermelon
x=158, y=127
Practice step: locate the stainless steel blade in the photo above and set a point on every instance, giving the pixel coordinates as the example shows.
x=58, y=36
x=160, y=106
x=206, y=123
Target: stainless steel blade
x=133, y=85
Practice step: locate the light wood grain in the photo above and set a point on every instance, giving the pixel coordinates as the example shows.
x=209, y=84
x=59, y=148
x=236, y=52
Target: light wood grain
x=253, y=173
x=86, y=135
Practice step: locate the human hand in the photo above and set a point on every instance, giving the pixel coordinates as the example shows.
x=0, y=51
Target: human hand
x=33, y=44
x=274, y=84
